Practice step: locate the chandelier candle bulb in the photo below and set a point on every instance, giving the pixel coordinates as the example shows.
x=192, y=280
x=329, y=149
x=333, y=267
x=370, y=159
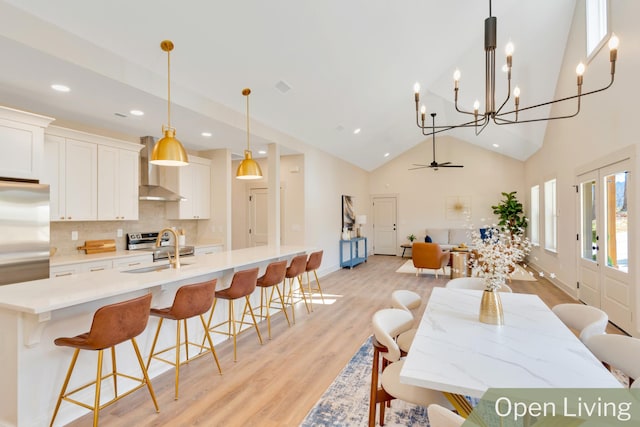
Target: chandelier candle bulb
x=613, y=52
x=580, y=73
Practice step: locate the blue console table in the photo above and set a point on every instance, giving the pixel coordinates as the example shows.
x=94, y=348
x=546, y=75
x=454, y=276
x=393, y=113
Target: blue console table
x=356, y=254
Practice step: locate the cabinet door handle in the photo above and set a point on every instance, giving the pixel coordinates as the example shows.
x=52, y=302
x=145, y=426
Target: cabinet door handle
x=61, y=217
x=133, y=263
x=63, y=274
x=96, y=269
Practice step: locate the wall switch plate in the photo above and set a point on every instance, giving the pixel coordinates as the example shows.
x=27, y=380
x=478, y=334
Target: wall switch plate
x=74, y=235
x=119, y=232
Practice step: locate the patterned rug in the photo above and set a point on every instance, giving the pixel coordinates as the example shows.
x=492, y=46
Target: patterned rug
x=346, y=401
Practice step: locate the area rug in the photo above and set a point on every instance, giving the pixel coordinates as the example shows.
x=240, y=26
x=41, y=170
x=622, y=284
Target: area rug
x=346, y=401
x=520, y=273
x=408, y=267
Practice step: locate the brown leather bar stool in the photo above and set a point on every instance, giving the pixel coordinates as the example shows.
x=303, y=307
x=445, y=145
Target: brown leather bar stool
x=190, y=301
x=242, y=285
x=294, y=271
x=273, y=276
x=313, y=263
x=112, y=324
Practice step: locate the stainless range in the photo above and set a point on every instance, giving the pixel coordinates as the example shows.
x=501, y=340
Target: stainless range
x=147, y=242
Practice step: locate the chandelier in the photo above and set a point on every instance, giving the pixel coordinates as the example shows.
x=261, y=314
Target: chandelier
x=500, y=115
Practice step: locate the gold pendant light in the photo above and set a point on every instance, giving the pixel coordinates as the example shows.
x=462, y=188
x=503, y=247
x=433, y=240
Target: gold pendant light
x=248, y=168
x=169, y=151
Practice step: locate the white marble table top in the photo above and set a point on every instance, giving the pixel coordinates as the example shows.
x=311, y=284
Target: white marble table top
x=454, y=352
x=46, y=295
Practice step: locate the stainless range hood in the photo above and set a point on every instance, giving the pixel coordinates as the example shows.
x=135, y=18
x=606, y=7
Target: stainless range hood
x=150, y=188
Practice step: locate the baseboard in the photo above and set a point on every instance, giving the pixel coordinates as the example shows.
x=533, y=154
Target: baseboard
x=571, y=291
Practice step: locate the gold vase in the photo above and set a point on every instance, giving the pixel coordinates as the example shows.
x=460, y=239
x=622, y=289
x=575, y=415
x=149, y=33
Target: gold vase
x=491, y=308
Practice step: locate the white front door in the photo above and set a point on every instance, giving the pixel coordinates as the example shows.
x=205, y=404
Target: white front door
x=604, y=272
x=385, y=240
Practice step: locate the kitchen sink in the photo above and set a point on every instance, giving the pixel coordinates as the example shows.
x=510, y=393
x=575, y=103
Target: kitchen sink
x=153, y=268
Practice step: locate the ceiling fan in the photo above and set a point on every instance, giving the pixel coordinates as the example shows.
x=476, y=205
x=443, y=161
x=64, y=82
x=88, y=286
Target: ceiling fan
x=435, y=165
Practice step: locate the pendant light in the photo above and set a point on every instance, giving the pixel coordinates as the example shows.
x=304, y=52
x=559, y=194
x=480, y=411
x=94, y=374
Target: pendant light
x=248, y=168
x=168, y=151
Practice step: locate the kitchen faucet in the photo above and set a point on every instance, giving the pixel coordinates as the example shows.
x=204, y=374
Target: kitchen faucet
x=175, y=262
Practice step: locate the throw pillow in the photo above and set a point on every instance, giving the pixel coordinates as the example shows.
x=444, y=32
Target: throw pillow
x=428, y=239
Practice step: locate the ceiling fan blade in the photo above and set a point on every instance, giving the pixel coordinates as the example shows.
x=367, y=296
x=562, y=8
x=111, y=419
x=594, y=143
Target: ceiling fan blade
x=419, y=164
x=419, y=167
x=451, y=166
x=443, y=164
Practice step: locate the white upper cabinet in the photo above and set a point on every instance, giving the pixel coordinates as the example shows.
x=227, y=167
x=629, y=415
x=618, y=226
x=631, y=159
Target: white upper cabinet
x=21, y=144
x=117, y=183
x=91, y=177
x=71, y=170
x=192, y=182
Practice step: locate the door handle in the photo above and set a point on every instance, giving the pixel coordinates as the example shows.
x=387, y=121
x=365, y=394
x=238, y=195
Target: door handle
x=597, y=248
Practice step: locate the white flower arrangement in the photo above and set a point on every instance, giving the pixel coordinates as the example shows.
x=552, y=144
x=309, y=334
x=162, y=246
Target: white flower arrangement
x=495, y=257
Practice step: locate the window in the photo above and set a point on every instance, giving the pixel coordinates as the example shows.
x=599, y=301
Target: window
x=596, y=24
x=534, y=215
x=550, y=216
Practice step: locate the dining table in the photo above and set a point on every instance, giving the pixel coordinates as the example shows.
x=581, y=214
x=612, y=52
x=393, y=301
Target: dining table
x=457, y=354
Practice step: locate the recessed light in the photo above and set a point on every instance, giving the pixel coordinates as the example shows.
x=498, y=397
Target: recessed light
x=207, y=134
x=386, y=154
x=262, y=152
x=136, y=113
x=496, y=145
x=357, y=131
x=60, y=88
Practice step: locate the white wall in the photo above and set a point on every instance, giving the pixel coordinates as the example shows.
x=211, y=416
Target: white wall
x=604, y=126
x=424, y=194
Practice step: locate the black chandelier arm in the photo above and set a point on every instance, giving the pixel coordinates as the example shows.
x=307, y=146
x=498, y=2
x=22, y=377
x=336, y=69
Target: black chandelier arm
x=508, y=95
x=462, y=111
x=445, y=128
x=478, y=132
x=578, y=95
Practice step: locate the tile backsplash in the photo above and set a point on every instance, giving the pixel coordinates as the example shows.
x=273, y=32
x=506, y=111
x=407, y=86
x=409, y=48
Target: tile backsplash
x=152, y=217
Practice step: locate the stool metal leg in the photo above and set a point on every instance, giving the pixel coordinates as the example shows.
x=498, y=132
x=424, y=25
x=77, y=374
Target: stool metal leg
x=115, y=370
x=65, y=384
x=144, y=373
x=213, y=350
x=175, y=397
x=96, y=405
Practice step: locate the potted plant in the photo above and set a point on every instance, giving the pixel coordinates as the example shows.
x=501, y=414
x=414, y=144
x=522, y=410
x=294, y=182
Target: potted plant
x=411, y=237
x=511, y=214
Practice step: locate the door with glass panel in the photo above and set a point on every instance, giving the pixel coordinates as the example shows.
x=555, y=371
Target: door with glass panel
x=604, y=272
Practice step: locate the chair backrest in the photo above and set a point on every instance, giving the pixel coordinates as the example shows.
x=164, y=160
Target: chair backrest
x=388, y=324
x=439, y=416
x=243, y=283
x=587, y=320
x=427, y=255
x=618, y=351
x=119, y=322
x=193, y=300
x=315, y=259
x=476, y=283
x=297, y=266
x=274, y=274
x=405, y=300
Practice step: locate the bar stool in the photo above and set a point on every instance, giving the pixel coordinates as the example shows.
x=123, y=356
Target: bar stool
x=112, y=325
x=294, y=271
x=190, y=301
x=242, y=285
x=273, y=276
x=315, y=259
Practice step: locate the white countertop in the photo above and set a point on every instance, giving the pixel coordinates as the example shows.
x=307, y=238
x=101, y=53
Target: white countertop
x=456, y=353
x=46, y=295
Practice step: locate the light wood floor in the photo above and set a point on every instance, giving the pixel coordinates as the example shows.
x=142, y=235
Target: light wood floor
x=276, y=384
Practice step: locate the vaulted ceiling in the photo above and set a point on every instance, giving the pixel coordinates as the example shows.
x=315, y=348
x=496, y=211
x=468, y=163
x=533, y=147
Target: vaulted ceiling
x=348, y=65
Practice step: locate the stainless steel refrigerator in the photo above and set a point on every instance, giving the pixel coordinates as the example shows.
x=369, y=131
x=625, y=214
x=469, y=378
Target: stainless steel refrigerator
x=24, y=232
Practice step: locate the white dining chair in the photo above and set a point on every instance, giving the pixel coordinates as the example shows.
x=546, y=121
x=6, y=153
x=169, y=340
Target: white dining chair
x=476, y=283
x=387, y=324
x=617, y=351
x=587, y=321
x=440, y=416
x=406, y=300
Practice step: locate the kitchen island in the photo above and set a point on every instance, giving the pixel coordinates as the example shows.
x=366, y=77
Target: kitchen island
x=33, y=314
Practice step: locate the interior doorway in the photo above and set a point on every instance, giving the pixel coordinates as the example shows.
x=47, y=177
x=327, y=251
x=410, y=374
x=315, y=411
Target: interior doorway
x=259, y=214
x=385, y=213
x=605, y=261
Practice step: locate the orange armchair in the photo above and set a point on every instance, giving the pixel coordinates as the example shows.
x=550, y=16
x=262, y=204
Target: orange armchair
x=429, y=255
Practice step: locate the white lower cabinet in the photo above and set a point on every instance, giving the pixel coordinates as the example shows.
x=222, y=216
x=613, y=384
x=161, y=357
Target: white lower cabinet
x=100, y=265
